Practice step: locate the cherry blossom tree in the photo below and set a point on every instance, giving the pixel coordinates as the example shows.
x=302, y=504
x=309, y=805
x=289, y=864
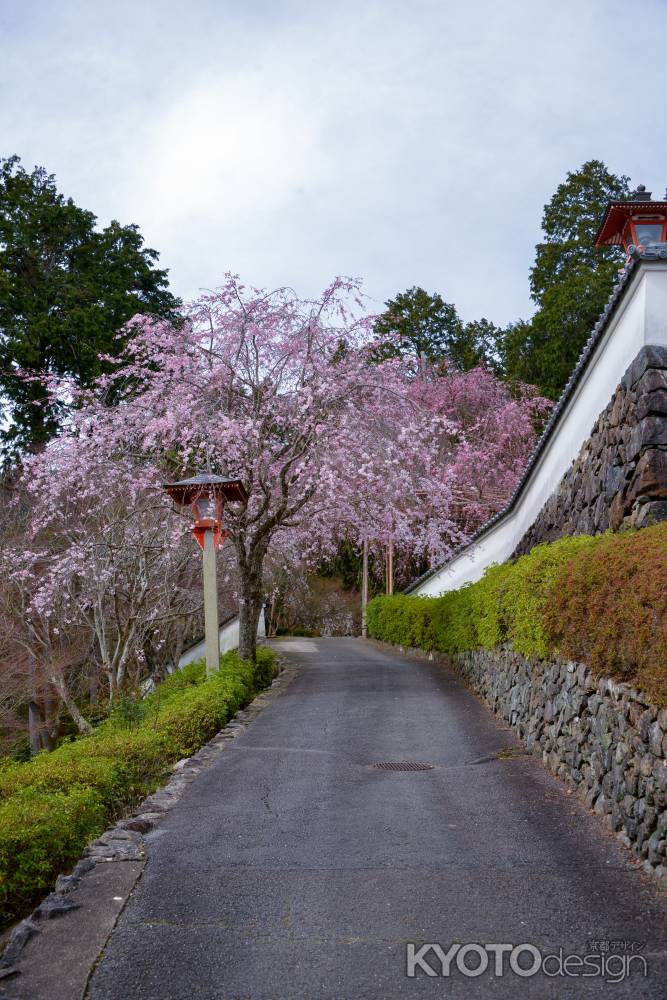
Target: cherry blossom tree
x=44, y=660
x=103, y=580
x=497, y=432
x=283, y=394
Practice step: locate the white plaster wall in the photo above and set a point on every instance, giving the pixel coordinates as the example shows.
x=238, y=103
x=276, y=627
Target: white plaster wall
x=229, y=639
x=640, y=319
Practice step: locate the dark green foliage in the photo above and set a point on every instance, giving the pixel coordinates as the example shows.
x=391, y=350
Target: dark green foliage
x=601, y=600
x=66, y=288
x=479, y=344
x=306, y=633
x=51, y=806
x=346, y=564
x=130, y=711
x=419, y=325
x=570, y=281
x=346, y=567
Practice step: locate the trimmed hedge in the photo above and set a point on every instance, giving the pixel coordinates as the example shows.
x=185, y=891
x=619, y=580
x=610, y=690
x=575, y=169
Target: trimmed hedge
x=601, y=600
x=53, y=805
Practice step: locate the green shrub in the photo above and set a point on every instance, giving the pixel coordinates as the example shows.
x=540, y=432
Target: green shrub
x=601, y=600
x=65, y=768
x=52, y=805
x=41, y=834
x=130, y=711
x=528, y=588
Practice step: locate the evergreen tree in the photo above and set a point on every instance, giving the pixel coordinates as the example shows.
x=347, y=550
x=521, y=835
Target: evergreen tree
x=421, y=325
x=66, y=288
x=570, y=281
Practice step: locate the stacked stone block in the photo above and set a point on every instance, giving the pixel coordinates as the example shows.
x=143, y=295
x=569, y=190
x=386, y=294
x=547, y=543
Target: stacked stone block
x=619, y=477
x=603, y=738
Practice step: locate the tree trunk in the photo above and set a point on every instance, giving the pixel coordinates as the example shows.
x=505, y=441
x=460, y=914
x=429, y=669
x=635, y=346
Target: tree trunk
x=51, y=711
x=93, y=685
x=107, y=670
x=82, y=724
x=37, y=729
x=34, y=728
x=271, y=623
x=250, y=606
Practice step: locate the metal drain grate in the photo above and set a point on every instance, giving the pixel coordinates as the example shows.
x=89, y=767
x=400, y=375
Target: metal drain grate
x=404, y=765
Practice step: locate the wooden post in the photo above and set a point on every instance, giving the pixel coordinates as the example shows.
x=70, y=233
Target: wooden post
x=390, y=567
x=211, y=605
x=364, y=592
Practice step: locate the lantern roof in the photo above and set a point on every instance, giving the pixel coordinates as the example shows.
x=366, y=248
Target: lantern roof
x=186, y=491
x=618, y=213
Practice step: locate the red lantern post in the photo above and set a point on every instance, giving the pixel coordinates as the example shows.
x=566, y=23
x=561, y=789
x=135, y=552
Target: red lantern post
x=207, y=494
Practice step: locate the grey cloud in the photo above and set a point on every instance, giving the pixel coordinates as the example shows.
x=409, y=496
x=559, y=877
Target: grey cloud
x=411, y=142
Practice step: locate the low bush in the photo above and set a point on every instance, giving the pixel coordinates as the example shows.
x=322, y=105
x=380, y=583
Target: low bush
x=610, y=610
x=51, y=806
x=41, y=834
x=601, y=600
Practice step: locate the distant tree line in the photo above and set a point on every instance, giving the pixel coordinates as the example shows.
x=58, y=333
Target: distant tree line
x=67, y=287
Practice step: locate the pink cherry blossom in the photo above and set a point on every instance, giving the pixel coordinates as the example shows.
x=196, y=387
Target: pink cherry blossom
x=281, y=393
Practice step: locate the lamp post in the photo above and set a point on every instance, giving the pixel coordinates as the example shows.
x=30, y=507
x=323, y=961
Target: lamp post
x=389, y=569
x=364, y=591
x=207, y=494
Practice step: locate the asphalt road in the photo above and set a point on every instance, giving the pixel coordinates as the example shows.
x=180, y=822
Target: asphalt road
x=293, y=868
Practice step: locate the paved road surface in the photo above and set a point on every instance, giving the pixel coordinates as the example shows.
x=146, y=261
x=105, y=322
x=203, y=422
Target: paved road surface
x=294, y=869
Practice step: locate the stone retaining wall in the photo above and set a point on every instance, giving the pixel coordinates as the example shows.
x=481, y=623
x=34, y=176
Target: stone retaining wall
x=601, y=737
x=620, y=475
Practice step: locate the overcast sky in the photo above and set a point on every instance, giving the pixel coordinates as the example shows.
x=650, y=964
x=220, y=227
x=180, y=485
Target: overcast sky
x=410, y=142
